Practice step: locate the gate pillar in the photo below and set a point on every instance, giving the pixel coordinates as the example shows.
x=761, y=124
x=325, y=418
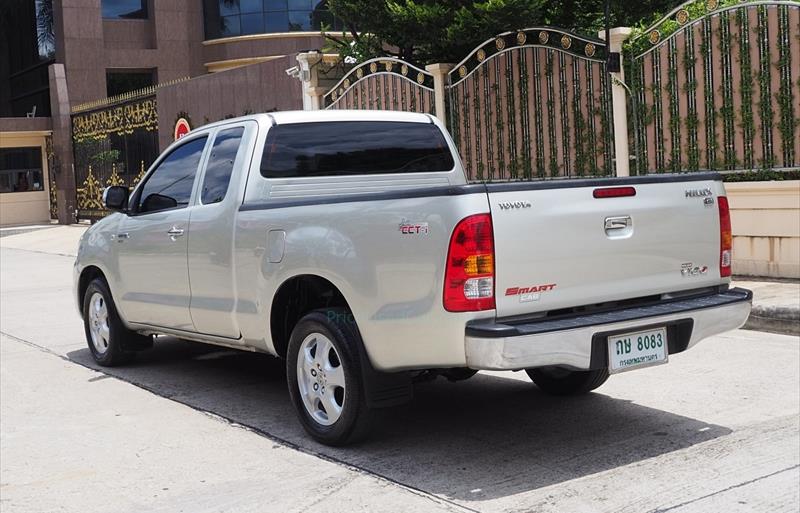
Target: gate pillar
x=619, y=102
x=440, y=72
x=62, y=162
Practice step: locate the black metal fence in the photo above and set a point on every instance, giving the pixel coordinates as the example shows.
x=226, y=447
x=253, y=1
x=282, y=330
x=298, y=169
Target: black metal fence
x=113, y=145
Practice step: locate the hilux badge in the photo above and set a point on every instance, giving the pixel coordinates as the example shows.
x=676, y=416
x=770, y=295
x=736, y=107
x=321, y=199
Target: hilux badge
x=698, y=193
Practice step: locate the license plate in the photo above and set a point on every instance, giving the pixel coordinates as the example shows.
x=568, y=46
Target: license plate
x=635, y=350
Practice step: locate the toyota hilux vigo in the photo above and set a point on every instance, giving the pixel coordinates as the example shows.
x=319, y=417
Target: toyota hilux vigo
x=350, y=244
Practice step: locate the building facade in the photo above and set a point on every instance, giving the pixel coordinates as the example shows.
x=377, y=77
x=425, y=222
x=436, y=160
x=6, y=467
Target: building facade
x=199, y=60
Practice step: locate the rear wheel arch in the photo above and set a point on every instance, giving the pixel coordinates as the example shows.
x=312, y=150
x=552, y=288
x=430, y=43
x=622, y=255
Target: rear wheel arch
x=296, y=297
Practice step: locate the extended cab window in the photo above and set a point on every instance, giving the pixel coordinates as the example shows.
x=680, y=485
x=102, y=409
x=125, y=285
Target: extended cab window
x=354, y=148
x=170, y=184
x=220, y=165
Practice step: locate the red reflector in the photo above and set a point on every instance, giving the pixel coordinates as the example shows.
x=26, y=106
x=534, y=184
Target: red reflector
x=614, y=192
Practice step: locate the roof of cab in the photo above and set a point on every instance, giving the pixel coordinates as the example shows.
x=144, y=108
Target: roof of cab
x=310, y=116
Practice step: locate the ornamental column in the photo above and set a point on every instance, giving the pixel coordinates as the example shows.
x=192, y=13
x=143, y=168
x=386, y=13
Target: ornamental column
x=439, y=72
x=619, y=101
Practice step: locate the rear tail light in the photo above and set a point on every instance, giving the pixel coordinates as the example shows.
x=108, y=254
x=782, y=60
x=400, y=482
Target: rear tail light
x=725, y=237
x=469, y=271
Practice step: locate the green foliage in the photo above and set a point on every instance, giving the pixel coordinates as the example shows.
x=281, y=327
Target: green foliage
x=107, y=156
x=426, y=31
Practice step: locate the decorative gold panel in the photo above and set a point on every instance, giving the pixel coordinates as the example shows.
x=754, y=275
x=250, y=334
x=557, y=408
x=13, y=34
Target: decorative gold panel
x=116, y=120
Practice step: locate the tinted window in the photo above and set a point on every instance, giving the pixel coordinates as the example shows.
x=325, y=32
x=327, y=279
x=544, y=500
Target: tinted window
x=120, y=82
x=170, y=185
x=125, y=9
x=354, y=148
x=225, y=18
x=220, y=165
x=21, y=170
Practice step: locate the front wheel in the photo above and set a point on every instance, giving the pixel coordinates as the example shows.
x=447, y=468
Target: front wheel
x=561, y=381
x=110, y=342
x=323, y=371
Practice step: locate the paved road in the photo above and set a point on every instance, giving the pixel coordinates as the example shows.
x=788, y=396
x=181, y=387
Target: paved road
x=195, y=428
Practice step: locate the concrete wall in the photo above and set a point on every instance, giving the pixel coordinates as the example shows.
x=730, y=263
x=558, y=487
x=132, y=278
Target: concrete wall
x=262, y=87
x=170, y=40
x=18, y=208
x=765, y=218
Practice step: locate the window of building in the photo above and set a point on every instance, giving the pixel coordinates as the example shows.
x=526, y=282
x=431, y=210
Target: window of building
x=27, y=47
x=45, y=32
x=21, y=170
x=124, y=9
x=227, y=18
x=120, y=82
x=170, y=184
x=354, y=148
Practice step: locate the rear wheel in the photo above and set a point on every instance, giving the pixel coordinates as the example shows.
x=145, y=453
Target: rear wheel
x=324, y=376
x=109, y=341
x=561, y=381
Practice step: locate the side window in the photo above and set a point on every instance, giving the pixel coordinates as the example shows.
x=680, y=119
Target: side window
x=170, y=185
x=220, y=165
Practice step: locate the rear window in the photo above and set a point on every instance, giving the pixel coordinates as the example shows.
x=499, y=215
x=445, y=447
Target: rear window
x=354, y=148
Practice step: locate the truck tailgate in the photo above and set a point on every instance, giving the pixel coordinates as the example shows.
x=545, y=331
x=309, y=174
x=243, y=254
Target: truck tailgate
x=558, y=246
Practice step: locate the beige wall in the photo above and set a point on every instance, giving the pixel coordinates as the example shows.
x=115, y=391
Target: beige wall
x=17, y=208
x=765, y=218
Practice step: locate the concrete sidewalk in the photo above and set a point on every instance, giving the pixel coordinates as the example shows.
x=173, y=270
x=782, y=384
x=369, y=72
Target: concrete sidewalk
x=776, y=303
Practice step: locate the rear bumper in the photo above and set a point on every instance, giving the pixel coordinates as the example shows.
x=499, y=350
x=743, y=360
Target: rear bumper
x=580, y=342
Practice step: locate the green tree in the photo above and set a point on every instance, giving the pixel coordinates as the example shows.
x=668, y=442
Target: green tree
x=424, y=31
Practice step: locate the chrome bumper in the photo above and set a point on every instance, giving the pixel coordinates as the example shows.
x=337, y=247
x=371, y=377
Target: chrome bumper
x=579, y=342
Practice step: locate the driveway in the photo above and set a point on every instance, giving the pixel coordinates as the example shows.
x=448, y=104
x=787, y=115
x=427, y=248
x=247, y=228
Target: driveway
x=189, y=427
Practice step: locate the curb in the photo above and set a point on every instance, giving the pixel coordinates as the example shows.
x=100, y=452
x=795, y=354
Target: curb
x=775, y=319
x=7, y=232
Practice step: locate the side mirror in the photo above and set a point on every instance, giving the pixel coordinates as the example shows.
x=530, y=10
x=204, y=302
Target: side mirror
x=116, y=198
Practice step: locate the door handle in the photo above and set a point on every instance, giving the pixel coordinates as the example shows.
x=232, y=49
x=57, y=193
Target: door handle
x=617, y=223
x=122, y=236
x=175, y=232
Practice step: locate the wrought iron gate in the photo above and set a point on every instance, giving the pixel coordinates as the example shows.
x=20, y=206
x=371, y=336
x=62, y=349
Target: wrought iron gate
x=384, y=84
x=113, y=145
x=533, y=103
x=715, y=86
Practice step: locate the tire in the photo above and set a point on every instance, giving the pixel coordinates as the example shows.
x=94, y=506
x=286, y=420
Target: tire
x=560, y=381
x=109, y=341
x=458, y=374
x=323, y=372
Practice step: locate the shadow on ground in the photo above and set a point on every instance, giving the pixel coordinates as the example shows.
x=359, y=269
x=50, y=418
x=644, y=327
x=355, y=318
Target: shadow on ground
x=480, y=439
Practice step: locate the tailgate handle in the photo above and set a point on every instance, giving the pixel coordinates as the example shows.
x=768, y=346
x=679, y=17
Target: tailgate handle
x=617, y=223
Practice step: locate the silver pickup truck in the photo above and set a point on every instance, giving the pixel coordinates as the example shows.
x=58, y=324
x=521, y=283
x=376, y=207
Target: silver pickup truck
x=350, y=244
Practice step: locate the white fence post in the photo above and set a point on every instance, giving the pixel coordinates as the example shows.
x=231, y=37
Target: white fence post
x=619, y=103
x=439, y=72
x=306, y=72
